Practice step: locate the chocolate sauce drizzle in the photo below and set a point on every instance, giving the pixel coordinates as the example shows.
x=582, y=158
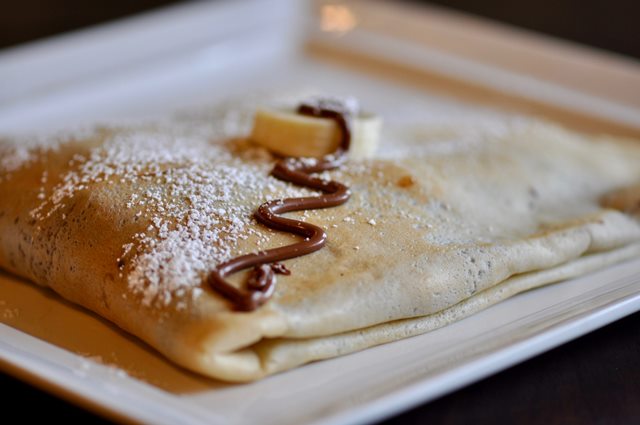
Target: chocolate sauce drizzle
x=261, y=282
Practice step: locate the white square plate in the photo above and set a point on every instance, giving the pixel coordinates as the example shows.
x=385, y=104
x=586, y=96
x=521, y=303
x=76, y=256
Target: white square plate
x=203, y=53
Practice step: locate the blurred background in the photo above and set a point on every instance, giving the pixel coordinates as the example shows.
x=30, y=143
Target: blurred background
x=562, y=384
x=610, y=25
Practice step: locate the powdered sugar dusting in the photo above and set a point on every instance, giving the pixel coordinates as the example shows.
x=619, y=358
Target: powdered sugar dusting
x=197, y=192
x=17, y=152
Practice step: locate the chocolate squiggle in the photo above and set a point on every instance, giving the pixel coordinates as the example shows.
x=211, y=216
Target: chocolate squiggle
x=261, y=282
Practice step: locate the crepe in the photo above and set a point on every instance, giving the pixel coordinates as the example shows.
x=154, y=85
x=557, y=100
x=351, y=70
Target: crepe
x=128, y=221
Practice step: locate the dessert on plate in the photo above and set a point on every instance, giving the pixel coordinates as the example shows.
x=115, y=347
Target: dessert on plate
x=185, y=235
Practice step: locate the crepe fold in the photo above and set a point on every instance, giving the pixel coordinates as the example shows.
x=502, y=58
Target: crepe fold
x=127, y=223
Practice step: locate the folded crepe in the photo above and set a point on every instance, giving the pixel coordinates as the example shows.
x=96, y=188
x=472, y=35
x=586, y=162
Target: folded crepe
x=128, y=222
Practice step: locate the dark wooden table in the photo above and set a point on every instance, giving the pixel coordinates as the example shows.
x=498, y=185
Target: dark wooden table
x=592, y=380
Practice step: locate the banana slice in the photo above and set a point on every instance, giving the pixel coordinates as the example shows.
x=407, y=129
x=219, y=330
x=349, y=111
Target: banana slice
x=291, y=134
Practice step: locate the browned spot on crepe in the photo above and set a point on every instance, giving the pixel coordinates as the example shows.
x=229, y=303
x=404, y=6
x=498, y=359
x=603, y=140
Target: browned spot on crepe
x=626, y=199
x=405, y=181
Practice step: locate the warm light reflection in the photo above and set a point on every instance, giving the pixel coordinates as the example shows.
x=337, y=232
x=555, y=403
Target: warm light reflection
x=337, y=19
